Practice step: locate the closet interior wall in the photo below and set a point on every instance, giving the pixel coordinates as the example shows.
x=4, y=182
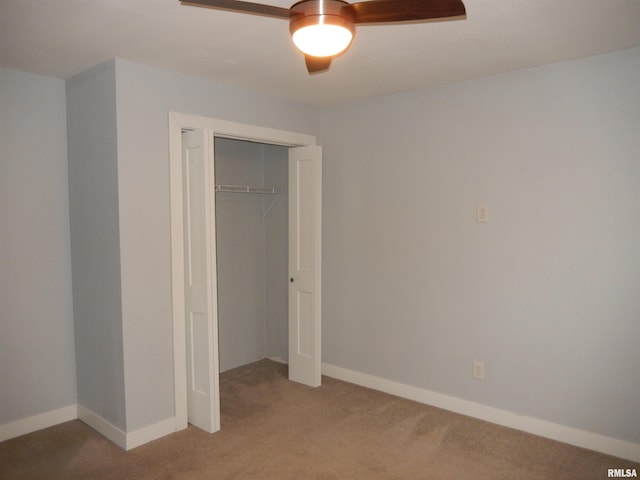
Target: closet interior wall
x=252, y=253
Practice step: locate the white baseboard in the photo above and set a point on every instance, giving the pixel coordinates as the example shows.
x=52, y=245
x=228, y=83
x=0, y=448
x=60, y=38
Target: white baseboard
x=124, y=440
x=38, y=422
x=554, y=431
x=150, y=433
x=278, y=360
x=102, y=426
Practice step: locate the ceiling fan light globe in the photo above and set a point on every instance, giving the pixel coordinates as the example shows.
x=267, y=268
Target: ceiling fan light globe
x=322, y=40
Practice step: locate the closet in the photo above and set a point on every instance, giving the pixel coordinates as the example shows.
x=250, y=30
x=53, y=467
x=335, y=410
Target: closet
x=252, y=251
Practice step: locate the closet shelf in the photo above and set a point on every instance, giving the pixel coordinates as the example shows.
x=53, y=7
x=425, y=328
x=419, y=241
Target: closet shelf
x=246, y=189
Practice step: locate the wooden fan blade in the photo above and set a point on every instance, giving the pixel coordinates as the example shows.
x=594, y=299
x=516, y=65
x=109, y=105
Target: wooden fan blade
x=317, y=64
x=243, y=7
x=383, y=11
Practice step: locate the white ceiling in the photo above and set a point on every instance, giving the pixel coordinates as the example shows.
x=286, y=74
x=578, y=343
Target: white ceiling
x=61, y=38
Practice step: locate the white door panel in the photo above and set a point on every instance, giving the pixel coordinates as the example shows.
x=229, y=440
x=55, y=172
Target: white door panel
x=305, y=236
x=201, y=334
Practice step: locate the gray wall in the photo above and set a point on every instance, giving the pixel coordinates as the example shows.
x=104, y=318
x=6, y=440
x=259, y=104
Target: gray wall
x=93, y=197
x=37, y=365
x=252, y=267
x=546, y=293
x=144, y=97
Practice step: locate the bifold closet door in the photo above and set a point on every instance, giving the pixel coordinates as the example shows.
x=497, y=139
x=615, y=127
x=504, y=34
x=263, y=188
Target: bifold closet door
x=202, y=379
x=305, y=246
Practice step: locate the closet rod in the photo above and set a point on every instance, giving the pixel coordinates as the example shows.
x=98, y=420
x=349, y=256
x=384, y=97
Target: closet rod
x=246, y=189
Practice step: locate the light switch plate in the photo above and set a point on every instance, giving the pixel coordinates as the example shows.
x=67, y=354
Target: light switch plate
x=478, y=370
x=482, y=213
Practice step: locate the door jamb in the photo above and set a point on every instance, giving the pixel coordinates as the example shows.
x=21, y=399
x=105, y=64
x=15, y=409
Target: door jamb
x=217, y=128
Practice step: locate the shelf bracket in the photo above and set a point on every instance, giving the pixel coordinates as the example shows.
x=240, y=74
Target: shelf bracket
x=273, y=204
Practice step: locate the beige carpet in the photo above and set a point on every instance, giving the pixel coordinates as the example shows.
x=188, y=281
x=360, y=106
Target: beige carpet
x=276, y=429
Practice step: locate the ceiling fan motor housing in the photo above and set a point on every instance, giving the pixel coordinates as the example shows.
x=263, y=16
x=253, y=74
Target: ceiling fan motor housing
x=318, y=12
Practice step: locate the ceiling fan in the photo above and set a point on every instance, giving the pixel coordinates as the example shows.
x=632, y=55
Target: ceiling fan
x=322, y=29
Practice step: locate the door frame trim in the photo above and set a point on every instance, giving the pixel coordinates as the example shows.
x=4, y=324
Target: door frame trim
x=217, y=128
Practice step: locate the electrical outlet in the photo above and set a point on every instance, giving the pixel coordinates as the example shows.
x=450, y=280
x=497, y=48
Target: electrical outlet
x=478, y=370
